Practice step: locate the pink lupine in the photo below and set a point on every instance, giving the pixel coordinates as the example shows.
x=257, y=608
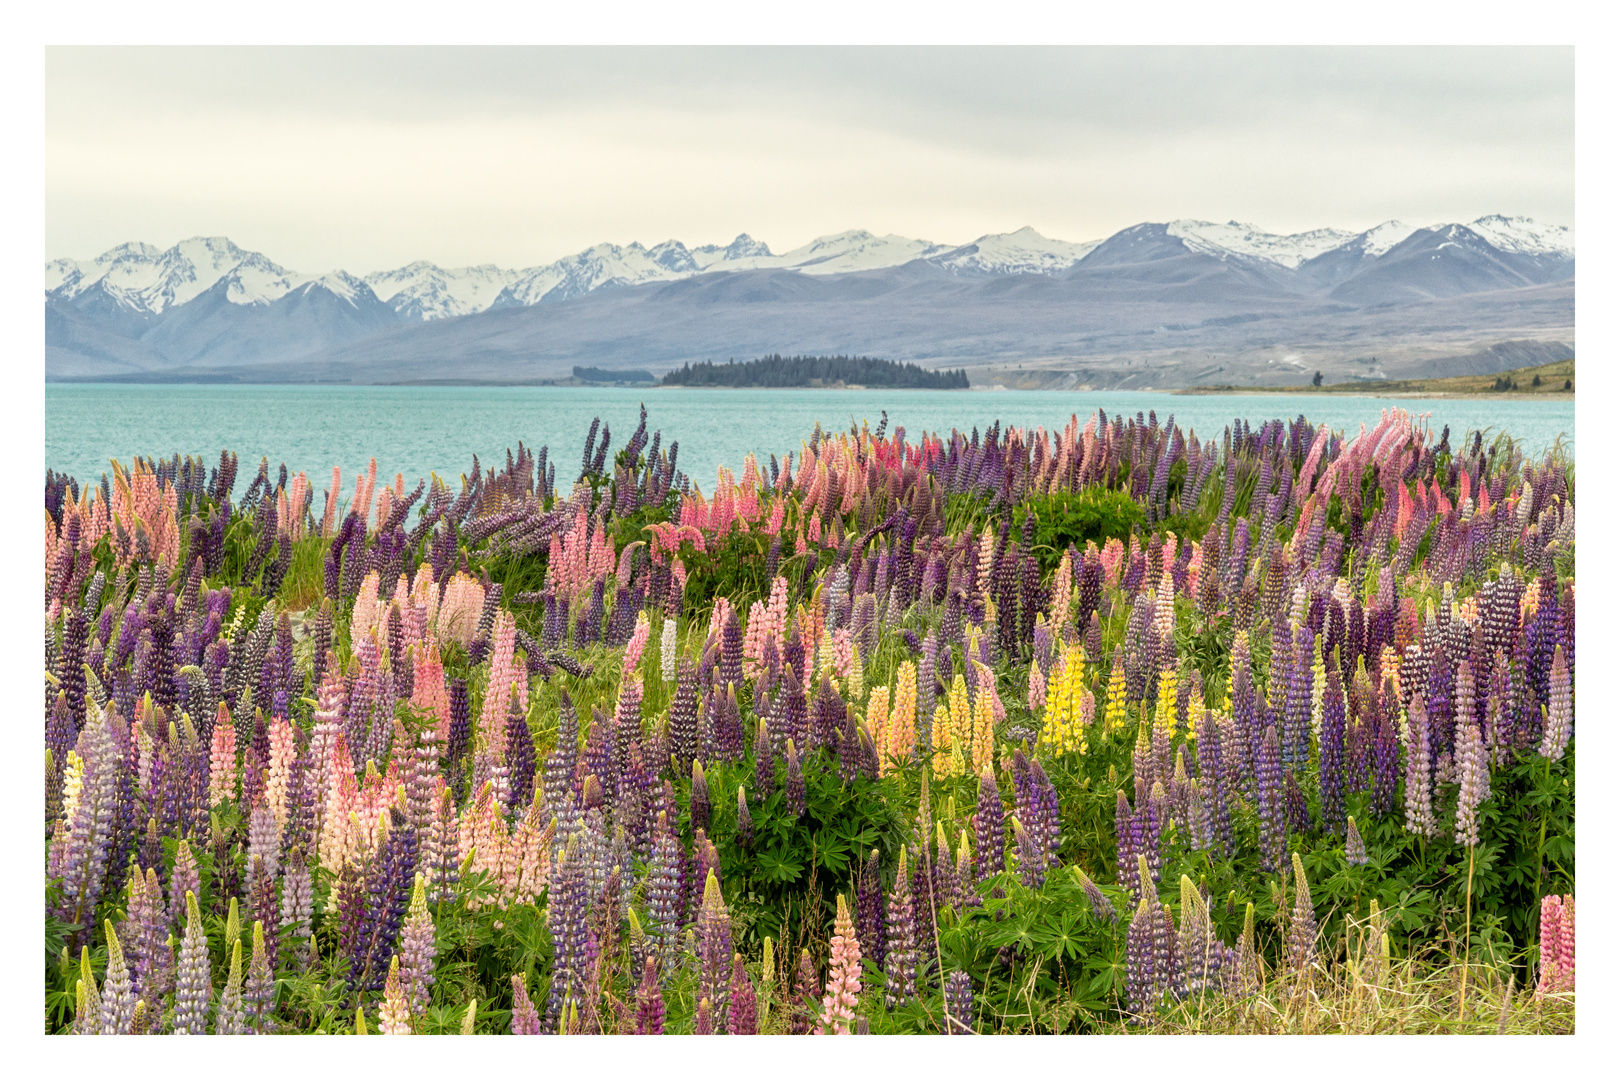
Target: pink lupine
x=637, y=645
x=222, y=759
x=1557, y=946
x=843, y=976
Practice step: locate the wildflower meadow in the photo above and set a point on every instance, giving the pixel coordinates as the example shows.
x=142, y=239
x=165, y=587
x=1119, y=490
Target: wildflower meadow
x=1115, y=728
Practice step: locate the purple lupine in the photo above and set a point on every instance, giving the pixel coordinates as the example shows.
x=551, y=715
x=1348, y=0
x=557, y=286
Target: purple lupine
x=1100, y=905
x=683, y=718
x=764, y=766
x=1141, y=961
x=959, y=1000
x=1330, y=771
x=1386, y=751
x=793, y=783
x=1296, y=732
x=713, y=933
x=745, y=820
x=900, y=940
x=664, y=893
x=519, y=758
x=1124, y=836
x=567, y=914
x=1273, y=814
x=870, y=910
x=990, y=829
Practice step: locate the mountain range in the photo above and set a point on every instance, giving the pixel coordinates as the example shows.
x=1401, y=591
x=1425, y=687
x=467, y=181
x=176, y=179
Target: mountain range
x=1147, y=295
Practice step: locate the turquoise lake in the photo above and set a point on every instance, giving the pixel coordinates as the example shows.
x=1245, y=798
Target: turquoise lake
x=422, y=430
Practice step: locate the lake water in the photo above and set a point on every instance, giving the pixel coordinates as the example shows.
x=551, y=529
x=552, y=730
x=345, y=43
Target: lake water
x=418, y=430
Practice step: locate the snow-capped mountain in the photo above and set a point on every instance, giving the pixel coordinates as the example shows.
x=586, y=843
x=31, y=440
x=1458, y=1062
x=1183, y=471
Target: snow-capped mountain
x=1236, y=238
x=146, y=279
x=423, y=291
x=1525, y=236
x=1023, y=252
x=207, y=303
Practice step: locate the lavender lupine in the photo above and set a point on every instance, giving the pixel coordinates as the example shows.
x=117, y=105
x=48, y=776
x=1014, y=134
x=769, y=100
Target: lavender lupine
x=1419, y=782
x=1273, y=814
x=117, y=1012
x=1560, y=709
x=193, y=981
x=793, y=783
x=1141, y=974
x=525, y=1017
x=1473, y=778
x=417, y=949
x=259, y=993
x=1355, y=850
x=714, y=947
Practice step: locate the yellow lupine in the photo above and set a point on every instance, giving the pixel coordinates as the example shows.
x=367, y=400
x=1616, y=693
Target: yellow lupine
x=856, y=682
x=1114, y=717
x=903, y=715
x=961, y=714
x=983, y=731
x=877, y=721
x=1164, y=709
x=1057, y=707
x=942, y=740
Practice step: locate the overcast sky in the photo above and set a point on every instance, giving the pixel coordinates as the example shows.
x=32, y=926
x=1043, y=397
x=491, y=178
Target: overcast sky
x=367, y=159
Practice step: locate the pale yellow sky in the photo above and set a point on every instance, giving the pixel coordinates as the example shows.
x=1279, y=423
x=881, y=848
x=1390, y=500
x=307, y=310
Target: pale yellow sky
x=367, y=159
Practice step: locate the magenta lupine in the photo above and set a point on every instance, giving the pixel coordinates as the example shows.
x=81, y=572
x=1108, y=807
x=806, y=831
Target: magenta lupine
x=843, y=976
x=704, y=1024
x=743, y=1014
x=525, y=1017
x=649, y=1001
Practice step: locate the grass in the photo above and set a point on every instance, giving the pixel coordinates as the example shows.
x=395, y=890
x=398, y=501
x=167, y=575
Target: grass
x=1519, y=381
x=1365, y=992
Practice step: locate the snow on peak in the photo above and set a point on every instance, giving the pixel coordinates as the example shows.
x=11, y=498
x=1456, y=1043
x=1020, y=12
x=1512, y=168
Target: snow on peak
x=1525, y=236
x=857, y=249
x=1022, y=252
x=1380, y=238
x=1236, y=238
x=424, y=291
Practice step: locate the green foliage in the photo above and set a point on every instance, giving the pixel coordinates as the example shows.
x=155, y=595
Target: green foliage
x=1071, y=517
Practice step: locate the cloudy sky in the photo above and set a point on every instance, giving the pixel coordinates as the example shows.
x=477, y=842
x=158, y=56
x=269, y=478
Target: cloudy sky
x=367, y=159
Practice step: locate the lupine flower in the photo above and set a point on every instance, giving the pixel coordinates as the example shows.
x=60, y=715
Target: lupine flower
x=959, y=1000
x=230, y=1018
x=649, y=1002
x=843, y=976
x=1100, y=905
x=745, y=820
x=743, y=1018
x=117, y=1011
x=900, y=939
x=193, y=986
x=1355, y=851
x=1474, y=779
x=260, y=991
x=394, y=1018
x=1557, y=946
x=1560, y=709
x=1419, y=786
x=666, y=651
x=525, y=1017
x=793, y=784
x=417, y=949
x=1141, y=973
x=1302, y=923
